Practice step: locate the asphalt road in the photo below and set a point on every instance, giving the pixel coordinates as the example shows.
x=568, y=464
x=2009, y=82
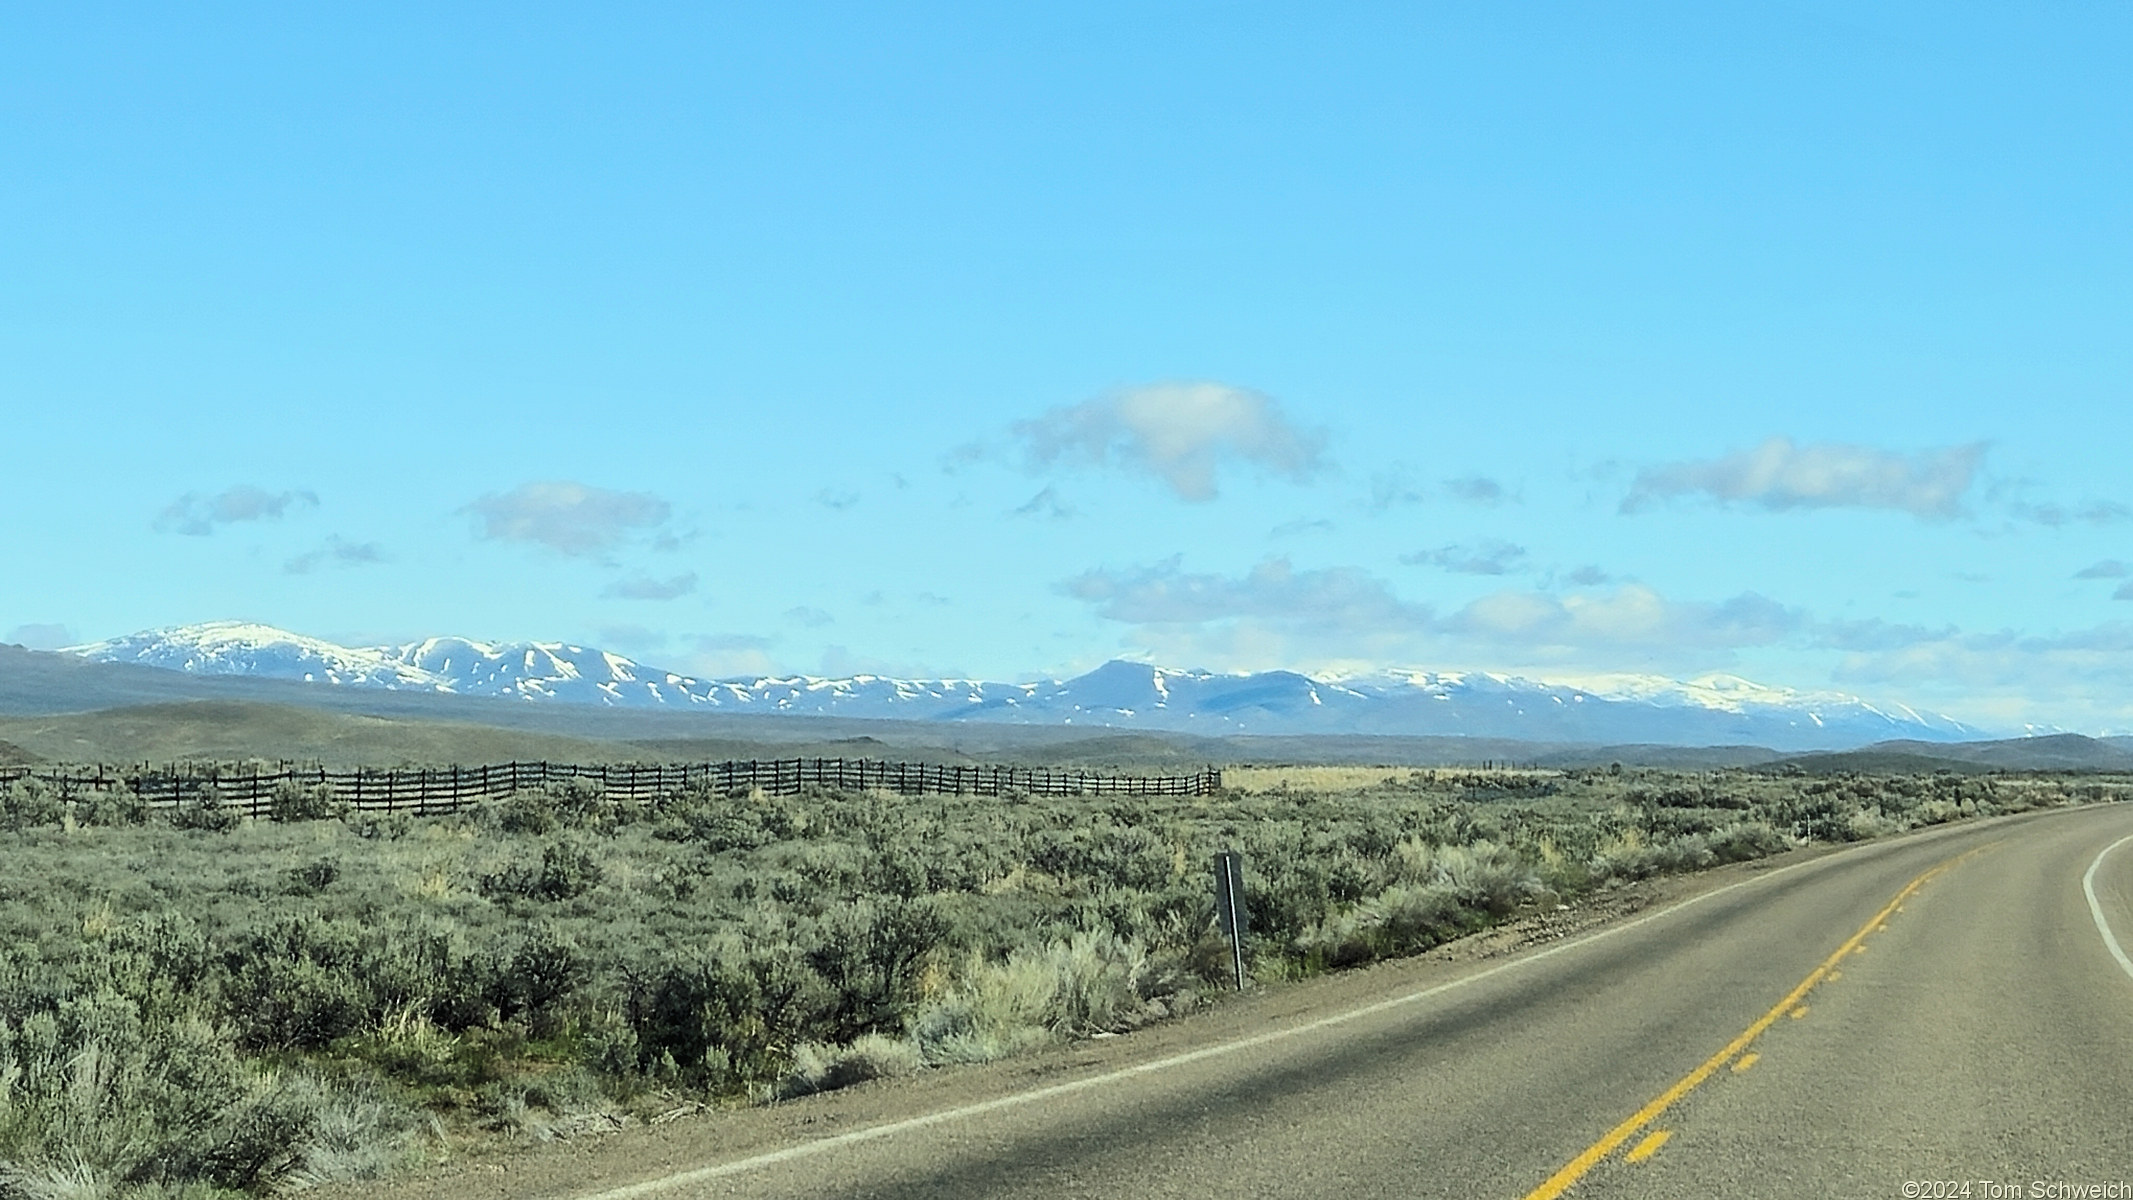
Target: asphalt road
x=1934, y=1010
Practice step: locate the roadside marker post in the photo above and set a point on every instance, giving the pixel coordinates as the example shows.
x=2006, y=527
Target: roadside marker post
x=1229, y=907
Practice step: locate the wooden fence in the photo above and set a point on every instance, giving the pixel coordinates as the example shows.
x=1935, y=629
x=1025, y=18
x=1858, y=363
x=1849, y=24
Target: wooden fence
x=424, y=791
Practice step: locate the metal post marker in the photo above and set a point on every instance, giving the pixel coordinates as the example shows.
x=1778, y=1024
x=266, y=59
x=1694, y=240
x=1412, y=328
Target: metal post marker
x=1229, y=907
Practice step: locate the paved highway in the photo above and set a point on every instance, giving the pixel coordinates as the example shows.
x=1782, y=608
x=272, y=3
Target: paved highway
x=1887, y=1021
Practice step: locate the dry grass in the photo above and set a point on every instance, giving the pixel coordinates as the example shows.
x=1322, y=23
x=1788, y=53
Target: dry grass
x=1350, y=779
x=231, y=731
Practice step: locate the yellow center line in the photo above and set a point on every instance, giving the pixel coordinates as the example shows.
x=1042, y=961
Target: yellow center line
x=1577, y=1168
x=1650, y=1145
x=1746, y=1060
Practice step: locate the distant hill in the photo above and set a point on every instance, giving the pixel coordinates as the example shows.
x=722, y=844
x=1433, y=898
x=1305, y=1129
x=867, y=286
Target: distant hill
x=59, y=707
x=1712, y=710
x=231, y=730
x=2055, y=752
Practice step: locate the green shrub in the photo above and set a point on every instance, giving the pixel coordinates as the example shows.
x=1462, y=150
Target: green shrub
x=304, y=983
x=818, y=1067
x=1745, y=841
x=538, y=980
x=116, y=805
x=1404, y=919
x=529, y=811
x=206, y=812
x=581, y=803
x=297, y=987
x=314, y=876
x=720, y=823
x=293, y=801
x=219, y=1003
x=868, y=952
x=1086, y=983
x=564, y=872
x=28, y=803
x=725, y=1021
x=357, y=1131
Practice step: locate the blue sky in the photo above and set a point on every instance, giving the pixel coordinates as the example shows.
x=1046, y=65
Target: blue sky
x=1565, y=340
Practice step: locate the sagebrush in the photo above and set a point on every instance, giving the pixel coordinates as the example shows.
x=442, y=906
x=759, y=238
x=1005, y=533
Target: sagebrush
x=189, y=1000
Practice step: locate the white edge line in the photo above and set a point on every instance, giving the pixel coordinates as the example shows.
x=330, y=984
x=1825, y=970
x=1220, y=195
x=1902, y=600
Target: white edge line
x=2088, y=888
x=874, y=1132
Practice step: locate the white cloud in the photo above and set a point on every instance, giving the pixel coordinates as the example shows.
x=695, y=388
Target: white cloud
x=2058, y=516
x=644, y=587
x=1630, y=618
x=1162, y=594
x=1488, y=557
x=196, y=515
x=337, y=550
x=1477, y=489
x=41, y=637
x=2068, y=677
x=1780, y=475
x=1301, y=526
x=570, y=518
x=1400, y=485
x=1045, y=504
x=812, y=618
x=1178, y=432
x=729, y=655
x=840, y=661
x=1389, y=489
x=1342, y=618
x=2109, y=568
x=2073, y=679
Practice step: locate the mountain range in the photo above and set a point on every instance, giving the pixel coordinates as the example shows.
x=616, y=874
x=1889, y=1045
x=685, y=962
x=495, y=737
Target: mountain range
x=1709, y=710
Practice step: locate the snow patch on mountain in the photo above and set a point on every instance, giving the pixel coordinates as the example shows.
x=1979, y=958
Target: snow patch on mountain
x=242, y=648
x=1706, y=710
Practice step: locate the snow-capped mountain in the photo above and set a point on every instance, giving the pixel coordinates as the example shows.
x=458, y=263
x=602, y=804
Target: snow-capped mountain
x=237, y=648
x=1709, y=710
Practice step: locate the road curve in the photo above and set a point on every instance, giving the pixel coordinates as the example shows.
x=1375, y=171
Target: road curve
x=1935, y=1009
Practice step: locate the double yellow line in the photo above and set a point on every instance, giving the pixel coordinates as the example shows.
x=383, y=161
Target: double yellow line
x=1576, y=1168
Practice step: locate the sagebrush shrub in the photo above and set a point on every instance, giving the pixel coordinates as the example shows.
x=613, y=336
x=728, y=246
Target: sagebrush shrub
x=206, y=812
x=868, y=955
x=538, y=980
x=293, y=801
x=727, y=1019
x=113, y=806
x=565, y=872
x=314, y=876
x=531, y=810
x=820, y=1067
x=29, y=803
x=217, y=997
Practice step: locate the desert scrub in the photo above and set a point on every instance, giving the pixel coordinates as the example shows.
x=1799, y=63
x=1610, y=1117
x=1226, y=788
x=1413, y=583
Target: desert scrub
x=115, y=1076
x=322, y=996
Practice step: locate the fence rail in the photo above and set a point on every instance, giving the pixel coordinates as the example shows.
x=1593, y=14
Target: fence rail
x=436, y=790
